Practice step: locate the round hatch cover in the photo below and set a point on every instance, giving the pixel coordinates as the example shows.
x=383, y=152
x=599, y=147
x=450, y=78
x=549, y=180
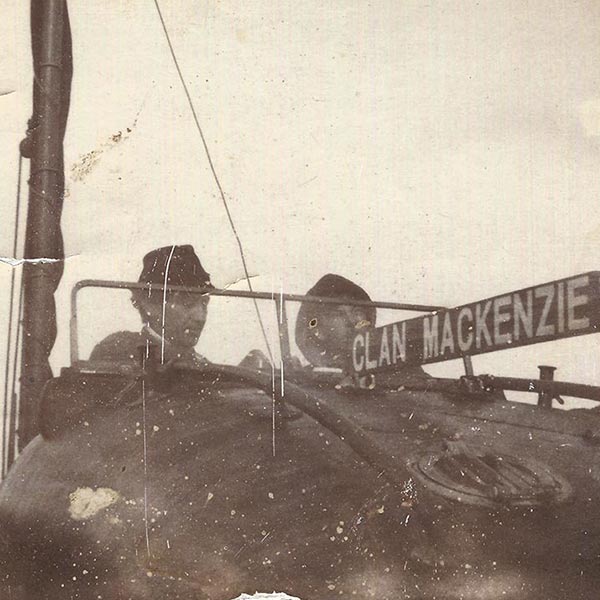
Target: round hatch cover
x=478, y=477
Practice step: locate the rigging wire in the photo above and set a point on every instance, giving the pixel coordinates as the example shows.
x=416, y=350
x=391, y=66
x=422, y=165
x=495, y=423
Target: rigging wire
x=5, y=411
x=14, y=405
x=215, y=176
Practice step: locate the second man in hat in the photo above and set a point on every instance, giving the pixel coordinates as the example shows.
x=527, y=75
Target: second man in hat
x=172, y=320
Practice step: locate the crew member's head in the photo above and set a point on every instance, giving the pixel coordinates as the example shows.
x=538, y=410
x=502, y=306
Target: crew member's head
x=177, y=316
x=324, y=332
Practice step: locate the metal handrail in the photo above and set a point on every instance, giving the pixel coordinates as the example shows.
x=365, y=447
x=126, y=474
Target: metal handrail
x=551, y=387
x=490, y=383
x=278, y=298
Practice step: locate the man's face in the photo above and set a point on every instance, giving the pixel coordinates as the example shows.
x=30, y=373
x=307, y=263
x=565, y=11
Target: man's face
x=180, y=320
x=334, y=331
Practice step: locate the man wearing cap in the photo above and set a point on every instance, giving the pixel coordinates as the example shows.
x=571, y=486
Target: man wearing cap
x=172, y=320
x=324, y=332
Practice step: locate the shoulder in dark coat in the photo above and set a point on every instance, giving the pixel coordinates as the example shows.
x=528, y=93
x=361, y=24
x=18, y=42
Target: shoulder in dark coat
x=122, y=346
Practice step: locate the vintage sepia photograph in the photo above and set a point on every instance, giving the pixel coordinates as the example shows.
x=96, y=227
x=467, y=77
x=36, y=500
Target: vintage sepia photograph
x=300, y=301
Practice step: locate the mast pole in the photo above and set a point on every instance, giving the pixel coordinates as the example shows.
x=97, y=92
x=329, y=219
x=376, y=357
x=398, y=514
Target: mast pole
x=44, y=254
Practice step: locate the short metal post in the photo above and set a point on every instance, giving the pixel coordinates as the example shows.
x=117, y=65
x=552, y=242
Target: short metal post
x=546, y=374
x=468, y=364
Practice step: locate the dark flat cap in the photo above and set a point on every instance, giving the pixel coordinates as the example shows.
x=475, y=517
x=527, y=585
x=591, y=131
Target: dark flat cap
x=180, y=264
x=336, y=286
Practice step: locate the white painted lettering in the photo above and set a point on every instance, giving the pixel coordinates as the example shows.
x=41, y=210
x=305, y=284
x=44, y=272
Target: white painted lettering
x=371, y=364
x=464, y=343
x=384, y=348
x=430, y=337
x=398, y=343
x=545, y=291
x=523, y=316
x=358, y=361
x=501, y=318
x=447, y=337
x=481, y=325
x=573, y=301
x=560, y=307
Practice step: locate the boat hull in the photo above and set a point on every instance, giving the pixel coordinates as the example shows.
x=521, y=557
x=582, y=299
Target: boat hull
x=196, y=491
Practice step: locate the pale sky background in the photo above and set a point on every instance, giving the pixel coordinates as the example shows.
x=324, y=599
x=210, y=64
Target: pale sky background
x=434, y=152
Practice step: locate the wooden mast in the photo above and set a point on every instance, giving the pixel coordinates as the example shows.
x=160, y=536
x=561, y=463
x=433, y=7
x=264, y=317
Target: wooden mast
x=52, y=65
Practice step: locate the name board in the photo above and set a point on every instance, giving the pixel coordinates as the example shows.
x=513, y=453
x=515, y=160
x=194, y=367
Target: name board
x=552, y=311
